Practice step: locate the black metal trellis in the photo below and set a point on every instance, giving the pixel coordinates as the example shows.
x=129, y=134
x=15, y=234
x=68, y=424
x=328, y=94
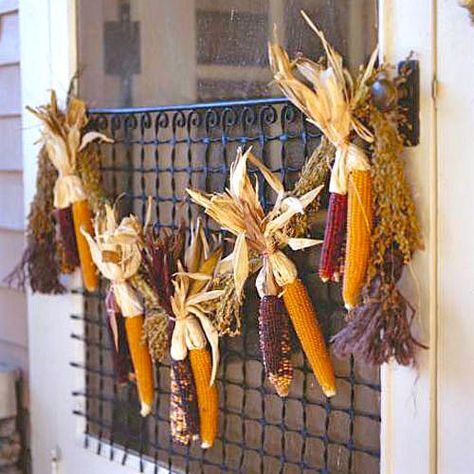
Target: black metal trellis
x=159, y=151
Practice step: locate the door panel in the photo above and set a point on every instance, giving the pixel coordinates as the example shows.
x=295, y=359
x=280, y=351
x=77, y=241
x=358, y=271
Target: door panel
x=408, y=400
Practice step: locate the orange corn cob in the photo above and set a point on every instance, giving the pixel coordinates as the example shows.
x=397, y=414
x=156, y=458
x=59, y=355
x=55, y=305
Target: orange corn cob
x=207, y=396
x=359, y=227
x=82, y=218
x=141, y=361
x=302, y=314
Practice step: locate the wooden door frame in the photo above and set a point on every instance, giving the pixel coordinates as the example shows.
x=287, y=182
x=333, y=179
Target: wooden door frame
x=48, y=32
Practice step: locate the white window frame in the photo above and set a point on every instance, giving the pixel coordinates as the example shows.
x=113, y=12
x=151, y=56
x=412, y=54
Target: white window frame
x=408, y=440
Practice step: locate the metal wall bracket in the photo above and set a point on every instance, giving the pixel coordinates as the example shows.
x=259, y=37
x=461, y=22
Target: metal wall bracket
x=402, y=92
x=408, y=84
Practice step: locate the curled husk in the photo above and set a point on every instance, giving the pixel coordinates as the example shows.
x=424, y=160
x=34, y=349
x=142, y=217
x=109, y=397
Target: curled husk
x=63, y=136
x=328, y=102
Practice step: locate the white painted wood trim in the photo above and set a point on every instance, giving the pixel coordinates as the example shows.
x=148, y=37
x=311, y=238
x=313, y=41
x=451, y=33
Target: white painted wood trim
x=408, y=435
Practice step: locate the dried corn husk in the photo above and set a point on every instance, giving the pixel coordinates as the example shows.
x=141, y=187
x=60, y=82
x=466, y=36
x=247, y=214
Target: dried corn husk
x=63, y=139
x=193, y=328
x=239, y=211
x=329, y=102
x=116, y=250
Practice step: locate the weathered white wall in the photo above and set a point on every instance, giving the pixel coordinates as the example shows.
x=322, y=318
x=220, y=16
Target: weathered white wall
x=13, y=317
x=456, y=230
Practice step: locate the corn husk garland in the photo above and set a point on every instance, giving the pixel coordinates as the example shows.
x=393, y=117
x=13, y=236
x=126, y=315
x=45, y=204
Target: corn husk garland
x=329, y=103
x=116, y=250
x=239, y=211
x=64, y=139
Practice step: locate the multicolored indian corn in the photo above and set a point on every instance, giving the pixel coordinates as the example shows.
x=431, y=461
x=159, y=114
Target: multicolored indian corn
x=302, y=315
x=275, y=343
x=82, y=218
x=67, y=237
x=359, y=228
x=207, y=396
x=116, y=330
x=334, y=235
x=141, y=361
x=184, y=416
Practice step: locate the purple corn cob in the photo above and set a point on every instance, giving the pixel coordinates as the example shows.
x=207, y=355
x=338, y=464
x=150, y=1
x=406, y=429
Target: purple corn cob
x=184, y=414
x=275, y=343
x=67, y=236
x=118, y=338
x=334, y=234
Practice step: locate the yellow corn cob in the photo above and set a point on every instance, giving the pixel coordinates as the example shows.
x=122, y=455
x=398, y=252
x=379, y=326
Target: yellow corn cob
x=207, y=396
x=82, y=218
x=302, y=315
x=141, y=361
x=359, y=227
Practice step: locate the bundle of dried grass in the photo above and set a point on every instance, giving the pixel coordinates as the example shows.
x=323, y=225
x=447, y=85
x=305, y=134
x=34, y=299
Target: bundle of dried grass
x=379, y=329
x=40, y=265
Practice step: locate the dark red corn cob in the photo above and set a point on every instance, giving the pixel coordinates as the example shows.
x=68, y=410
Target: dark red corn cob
x=118, y=338
x=334, y=235
x=275, y=343
x=67, y=236
x=184, y=414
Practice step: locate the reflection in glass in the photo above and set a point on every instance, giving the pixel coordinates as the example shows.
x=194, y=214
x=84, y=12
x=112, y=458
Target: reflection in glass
x=152, y=52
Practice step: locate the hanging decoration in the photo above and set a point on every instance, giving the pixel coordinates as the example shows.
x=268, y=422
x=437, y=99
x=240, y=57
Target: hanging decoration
x=379, y=329
x=329, y=104
x=239, y=211
x=116, y=250
x=68, y=185
x=178, y=284
x=371, y=229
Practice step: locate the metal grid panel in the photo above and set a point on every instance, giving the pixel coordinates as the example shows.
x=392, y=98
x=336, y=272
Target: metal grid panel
x=159, y=152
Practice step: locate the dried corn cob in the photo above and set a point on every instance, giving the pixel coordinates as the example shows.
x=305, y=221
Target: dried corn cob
x=67, y=237
x=303, y=317
x=184, y=416
x=275, y=343
x=359, y=227
x=116, y=330
x=207, y=396
x=334, y=235
x=82, y=218
x=141, y=362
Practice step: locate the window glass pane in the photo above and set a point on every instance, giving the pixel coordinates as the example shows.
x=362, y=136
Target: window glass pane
x=161, y=52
